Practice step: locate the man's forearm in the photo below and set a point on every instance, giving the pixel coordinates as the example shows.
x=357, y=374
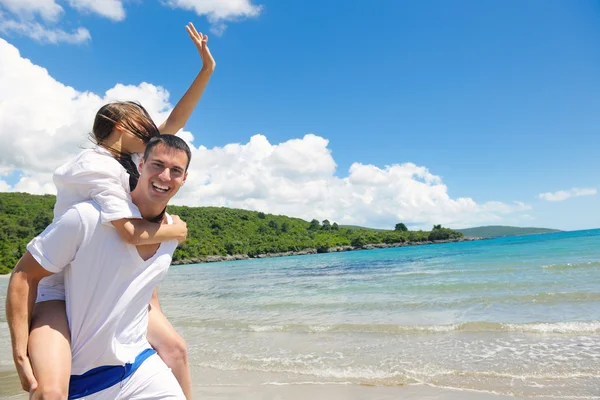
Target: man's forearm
x=20, y=300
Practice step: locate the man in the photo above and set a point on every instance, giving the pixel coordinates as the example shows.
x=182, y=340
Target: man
x=108, y=286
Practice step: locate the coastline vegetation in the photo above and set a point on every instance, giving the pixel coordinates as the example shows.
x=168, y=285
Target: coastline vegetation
x=216, y=231
x=493, y=231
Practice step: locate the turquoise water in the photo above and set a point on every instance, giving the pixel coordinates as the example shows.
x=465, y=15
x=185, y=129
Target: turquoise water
x=515, y=316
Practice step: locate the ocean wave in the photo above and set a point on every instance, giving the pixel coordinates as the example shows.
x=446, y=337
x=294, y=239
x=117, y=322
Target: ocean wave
x=551, y=297
x=556, y=327
x=344, y=375
x=430, y=272
x=569, y=266
x=323, y=372
x=575, y=327
x=438, y=302
x=275, y=383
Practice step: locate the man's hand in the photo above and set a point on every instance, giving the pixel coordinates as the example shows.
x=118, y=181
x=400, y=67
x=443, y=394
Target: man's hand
x=182, y=226
x=20, y=298
x=25, y=371
x=201, y=42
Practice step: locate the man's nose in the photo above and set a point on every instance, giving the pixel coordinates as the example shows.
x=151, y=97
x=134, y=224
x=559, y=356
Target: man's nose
x=165, y=175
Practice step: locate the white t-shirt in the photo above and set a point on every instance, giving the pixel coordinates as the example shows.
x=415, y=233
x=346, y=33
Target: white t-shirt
x=94, y=174
x=108, y=285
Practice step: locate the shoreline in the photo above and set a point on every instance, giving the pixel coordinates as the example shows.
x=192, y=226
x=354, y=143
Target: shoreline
x=211, y=384
x=308, y=251
x=337, y=249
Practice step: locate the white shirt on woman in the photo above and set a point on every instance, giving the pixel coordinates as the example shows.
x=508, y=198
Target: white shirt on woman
x=94, y=174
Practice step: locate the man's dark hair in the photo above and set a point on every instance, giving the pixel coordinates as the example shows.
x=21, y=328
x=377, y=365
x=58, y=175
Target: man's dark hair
x=171, y=141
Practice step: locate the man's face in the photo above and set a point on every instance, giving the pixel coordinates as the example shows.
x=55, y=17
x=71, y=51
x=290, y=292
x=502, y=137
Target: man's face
x=162, y=174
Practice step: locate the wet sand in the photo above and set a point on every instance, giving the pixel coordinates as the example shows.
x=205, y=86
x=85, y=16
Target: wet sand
x=210, y=386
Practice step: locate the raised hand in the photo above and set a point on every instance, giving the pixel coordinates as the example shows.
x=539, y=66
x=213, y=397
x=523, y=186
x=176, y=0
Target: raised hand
x=201, y=42
x=183, y=109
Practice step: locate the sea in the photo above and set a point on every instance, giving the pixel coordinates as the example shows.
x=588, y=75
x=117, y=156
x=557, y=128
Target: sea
x=513, y=317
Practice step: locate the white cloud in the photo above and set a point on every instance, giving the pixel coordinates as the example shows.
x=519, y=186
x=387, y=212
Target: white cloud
x=23, y=22
x=567, y=194
x=22, y=17
x=112, y=9
x=252, y=176
x=43, y=123
x=27, y=9
x=38, y=32
x=51, y=11
x=218, y=11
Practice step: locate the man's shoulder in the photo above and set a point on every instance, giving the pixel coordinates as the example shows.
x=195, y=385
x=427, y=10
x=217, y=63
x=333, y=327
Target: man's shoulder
x=89, y=211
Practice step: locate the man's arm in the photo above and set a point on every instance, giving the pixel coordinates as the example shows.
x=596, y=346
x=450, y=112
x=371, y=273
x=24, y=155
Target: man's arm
x=50, y=252
x=183, y=110
x=20, y=299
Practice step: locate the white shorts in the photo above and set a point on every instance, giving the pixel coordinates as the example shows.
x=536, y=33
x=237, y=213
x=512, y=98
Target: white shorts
x=153, y=380
x=51, y=288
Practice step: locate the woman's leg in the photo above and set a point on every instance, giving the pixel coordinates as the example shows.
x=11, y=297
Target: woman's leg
x=170, y=346
x=50, y=350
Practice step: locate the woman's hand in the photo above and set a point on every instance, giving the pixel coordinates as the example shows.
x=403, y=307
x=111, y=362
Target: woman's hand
x=201, y=42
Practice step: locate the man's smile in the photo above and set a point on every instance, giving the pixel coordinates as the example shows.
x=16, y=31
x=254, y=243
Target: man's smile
x=160, y=187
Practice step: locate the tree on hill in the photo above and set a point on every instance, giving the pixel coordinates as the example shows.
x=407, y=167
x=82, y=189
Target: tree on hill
x=326, y=225
x=444, y=234
x=401, y=227
x=314, y=225
x=274, y=225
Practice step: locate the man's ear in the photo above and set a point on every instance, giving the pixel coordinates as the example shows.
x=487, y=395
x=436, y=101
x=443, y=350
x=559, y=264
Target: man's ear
x=141, y=164
x=184, y=178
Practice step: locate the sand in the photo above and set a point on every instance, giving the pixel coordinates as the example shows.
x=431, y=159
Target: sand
x=255, y=390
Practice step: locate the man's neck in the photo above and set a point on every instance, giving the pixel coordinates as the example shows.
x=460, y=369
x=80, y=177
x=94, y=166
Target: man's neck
x=150, y=212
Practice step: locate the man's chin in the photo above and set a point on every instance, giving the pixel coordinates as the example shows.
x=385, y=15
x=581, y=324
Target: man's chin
x=158, y=200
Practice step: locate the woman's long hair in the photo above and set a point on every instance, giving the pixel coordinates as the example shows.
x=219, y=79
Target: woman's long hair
x=128, y=116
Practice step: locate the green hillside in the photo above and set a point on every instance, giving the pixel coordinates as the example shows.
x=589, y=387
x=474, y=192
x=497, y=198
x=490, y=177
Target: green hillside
x=212, y=231
x=362, y=227
x=498, y=231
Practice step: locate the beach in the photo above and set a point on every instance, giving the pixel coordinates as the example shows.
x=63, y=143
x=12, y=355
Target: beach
x=503, y=318
x=204, y=389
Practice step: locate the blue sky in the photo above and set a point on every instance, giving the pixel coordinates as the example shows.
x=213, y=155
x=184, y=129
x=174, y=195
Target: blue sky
x=500, y=99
